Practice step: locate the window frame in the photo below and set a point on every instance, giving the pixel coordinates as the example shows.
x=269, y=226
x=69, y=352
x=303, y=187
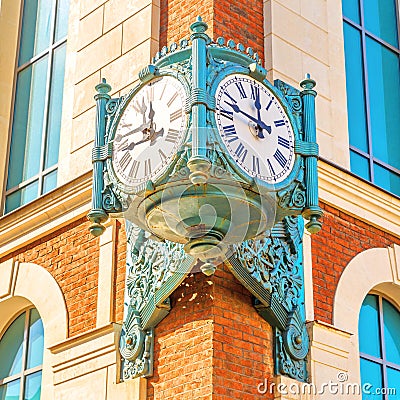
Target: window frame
x=383, y=362
x=364, y=33
x=24, y=372
x=49, y=51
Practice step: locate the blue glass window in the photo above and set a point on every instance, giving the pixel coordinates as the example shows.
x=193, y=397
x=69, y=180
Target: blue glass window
x=35, y=139
x=372, y=57
x=379, y=344
x=21, y=355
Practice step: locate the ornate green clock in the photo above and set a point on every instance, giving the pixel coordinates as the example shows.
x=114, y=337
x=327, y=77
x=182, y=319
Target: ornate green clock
x=209, y=162
x=148, y=133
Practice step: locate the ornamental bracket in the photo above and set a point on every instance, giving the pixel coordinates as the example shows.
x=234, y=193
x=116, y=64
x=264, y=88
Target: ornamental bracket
x=154, y=270
x=272, y=270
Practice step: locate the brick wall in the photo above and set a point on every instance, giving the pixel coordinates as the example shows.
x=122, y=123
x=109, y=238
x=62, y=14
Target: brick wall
x=342, y=237
x=119, y=276
x=213, y=344
x=176, y=16
x=242, y=22
x=71, y=255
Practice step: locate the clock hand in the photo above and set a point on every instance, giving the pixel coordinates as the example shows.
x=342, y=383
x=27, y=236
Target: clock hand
x=140, y=128
x=148, y=134
x=257, y=105
x=151, y=112
x=133, y=144
x=155, y=135
x=260, y=123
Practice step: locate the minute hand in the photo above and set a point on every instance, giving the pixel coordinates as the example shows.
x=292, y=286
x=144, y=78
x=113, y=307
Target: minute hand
x=260, y=123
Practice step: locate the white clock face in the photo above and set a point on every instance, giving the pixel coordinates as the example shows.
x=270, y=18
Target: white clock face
x=149, y=132
x=255, y=128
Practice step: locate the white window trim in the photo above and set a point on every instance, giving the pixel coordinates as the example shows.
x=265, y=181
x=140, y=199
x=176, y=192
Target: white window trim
x=29, y=285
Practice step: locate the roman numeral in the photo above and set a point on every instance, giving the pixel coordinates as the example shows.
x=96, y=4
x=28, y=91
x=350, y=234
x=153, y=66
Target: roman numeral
x=172, y=99
x=241, y=152
x=255, y=92
x=225, y=113
x=125, y=161
x=240, y=88
x=256, y=165
x=269, y=105
x=139, y=108
x=270, y=167
x=283, y=142
x=172, y=135
x=230, y=133
x=175, y=115
x=147, y=167
x=162, y=156
x=134, y=168
x=150, y=93
x=163, y=90
x=279, y=122
x=122, y=145
x=280, y=158
x=232, y=99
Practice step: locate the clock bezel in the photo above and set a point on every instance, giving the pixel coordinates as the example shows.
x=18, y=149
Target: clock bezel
x=124, y=187
x=233, y=71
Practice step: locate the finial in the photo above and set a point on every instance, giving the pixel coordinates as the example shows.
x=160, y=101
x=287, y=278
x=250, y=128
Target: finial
x=314, y=225
x=199, y=26
x=308, y=83
x=103, y=87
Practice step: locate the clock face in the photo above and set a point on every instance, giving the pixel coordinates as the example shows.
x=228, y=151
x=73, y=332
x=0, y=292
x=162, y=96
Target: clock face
x=255, y=128
x=149, y=132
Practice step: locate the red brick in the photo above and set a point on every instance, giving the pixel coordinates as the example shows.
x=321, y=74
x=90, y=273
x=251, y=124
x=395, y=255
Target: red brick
x=343, y=237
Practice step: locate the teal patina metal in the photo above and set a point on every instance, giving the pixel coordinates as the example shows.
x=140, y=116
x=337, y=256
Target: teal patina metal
x=198, y=163
x=255, y=227
x=98, y=215
x=312, y=210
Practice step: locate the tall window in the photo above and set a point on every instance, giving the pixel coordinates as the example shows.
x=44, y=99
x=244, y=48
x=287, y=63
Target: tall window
x=372, y=54
x=379, y=337
x=21, y=358
x=32, y=168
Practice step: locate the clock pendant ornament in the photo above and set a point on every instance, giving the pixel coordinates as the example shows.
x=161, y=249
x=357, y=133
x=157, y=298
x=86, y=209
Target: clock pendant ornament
x=209, y=162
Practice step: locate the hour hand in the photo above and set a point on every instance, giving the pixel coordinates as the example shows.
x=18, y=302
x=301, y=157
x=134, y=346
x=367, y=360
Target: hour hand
x=258, y=121
x=140, y=128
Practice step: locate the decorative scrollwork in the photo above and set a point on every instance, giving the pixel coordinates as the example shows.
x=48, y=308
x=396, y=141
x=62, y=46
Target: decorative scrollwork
x=132, y=336
x=112, y=106
x=271, y=268
x=294, y=196
x=295, y=337
x=110, y=201
x=142, y=364
x=154, y=270
x=155, y=263
x=287, y=364
x=272, y=261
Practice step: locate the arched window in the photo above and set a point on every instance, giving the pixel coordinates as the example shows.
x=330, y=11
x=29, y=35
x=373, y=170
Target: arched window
x=21, y=358
x=379, y=342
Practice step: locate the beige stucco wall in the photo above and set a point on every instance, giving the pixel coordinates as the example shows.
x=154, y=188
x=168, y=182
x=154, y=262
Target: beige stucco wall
x=9, y=26
x=106, y=39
